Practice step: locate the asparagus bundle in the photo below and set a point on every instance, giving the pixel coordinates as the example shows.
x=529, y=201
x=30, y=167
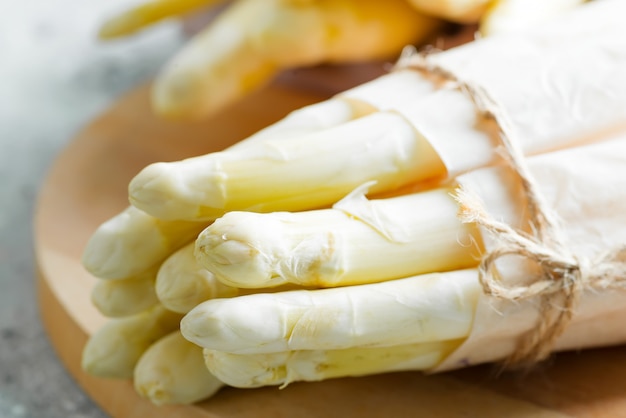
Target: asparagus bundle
x=444, y=317
x=252, y=41
x=292, y=323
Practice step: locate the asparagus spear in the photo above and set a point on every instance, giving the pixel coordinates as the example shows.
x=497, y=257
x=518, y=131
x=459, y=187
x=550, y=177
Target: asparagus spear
x=142, y=15
x=282, y=368
x=172, y=371
x=125, y=297
x=427, y=308
x=132, y=242
x=114, y=349
x=182, y=283
x=251, y=41
x=358, y=241
x=312, y=171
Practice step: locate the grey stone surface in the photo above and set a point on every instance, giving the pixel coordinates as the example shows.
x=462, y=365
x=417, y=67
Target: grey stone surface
x=54, y=78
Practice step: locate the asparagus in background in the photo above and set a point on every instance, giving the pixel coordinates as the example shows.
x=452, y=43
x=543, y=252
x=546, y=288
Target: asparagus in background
x=250, y=42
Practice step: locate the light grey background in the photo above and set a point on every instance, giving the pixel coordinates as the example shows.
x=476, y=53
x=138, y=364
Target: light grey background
x=54, y=78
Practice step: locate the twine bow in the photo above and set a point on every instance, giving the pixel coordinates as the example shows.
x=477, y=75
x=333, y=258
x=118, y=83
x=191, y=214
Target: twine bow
x=564, y=275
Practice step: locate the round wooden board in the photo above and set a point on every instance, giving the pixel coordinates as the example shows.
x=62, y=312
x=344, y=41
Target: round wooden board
x=88, y=184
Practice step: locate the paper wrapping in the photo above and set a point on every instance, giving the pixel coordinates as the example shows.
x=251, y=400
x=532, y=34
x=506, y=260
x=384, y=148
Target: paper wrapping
x=560, y=84
x=586, y=187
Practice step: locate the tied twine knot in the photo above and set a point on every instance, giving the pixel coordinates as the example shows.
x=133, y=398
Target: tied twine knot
x=563, y=275
x=562, y=279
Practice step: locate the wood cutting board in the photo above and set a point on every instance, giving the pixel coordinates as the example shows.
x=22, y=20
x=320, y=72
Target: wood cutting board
x=88, y=184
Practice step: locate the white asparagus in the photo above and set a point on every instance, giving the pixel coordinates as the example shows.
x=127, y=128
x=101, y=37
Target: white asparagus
x=172, y=371
x=282, y=368
x=313, y=171
x=428, y=308
x=114, y=349
x=132, y=242
x=182, y=284
x=152, y=11
x=178, y=190
x=357, y=241
x=125, y=297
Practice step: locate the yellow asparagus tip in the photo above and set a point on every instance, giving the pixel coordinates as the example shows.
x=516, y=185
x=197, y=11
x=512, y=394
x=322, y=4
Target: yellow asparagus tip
x=251, y=41
x=146, y=14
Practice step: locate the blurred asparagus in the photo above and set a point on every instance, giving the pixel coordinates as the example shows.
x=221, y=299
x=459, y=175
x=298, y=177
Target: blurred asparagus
x=145, y=14
x=249, y=42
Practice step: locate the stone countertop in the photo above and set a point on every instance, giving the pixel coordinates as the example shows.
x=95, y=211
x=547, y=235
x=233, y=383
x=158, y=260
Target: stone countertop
x=54, y=78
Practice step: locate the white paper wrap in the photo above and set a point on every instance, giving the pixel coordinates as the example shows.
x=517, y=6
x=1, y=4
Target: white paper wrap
x=560, y=85
x=586, y=187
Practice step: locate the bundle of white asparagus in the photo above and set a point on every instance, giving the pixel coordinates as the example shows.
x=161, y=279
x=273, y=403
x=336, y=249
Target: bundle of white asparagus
x=358, y=195
x=250, y=41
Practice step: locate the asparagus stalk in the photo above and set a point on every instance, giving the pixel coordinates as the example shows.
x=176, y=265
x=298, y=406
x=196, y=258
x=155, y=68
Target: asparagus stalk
x=358, y=241
x=114, y=349
x=132, y=242
x=125, y=297
x=145, y=14
x=316, y=170
x=463, y=11
x=182, y=284
x=427, y=308
x=282, y=368
x=172, y=371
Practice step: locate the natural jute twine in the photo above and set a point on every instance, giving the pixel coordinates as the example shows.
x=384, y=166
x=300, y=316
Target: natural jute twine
x=564, y=275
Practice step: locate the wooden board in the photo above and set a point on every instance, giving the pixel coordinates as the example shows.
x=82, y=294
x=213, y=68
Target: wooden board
x=88, y=184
